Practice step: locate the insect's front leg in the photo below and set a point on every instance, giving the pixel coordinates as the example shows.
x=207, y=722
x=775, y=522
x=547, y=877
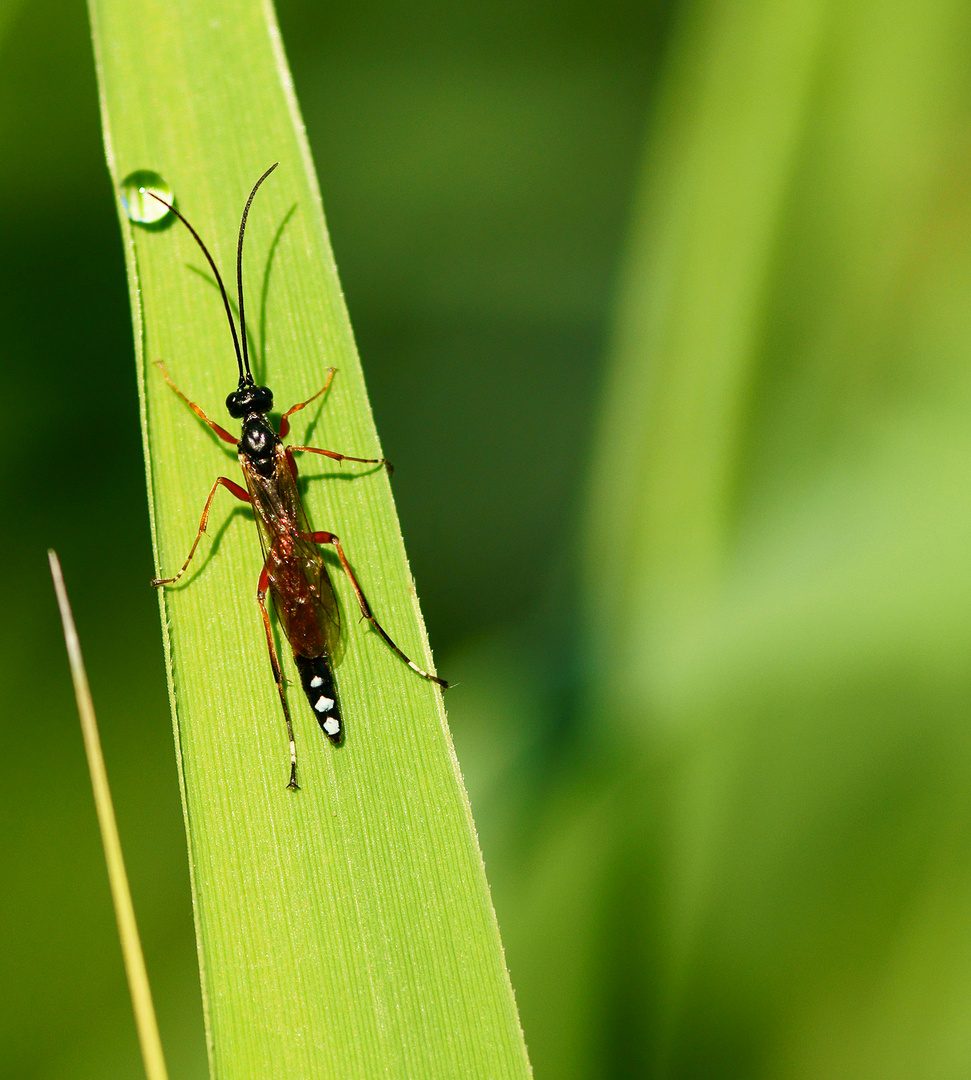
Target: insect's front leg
x=220, y=431
x=221, y=481
x=285, y=418
x=261, y=592
x=330, y=538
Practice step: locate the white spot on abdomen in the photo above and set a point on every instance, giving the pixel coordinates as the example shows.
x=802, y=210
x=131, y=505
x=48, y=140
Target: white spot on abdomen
x=331, y=725
x=316, y=681
x=324, y=704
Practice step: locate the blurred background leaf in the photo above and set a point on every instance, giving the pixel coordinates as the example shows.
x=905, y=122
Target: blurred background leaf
x=695, y=546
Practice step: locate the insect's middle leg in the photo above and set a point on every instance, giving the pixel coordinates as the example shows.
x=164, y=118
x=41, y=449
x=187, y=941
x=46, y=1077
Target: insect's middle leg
x=221, y=481
x=330, y=538
x=261, y=592
x=341, y=457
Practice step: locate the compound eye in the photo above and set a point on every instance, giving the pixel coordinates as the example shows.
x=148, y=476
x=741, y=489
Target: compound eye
x=237, y=404
x=262, y=399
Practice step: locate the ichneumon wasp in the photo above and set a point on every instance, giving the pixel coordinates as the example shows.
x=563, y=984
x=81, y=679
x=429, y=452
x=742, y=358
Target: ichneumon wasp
x=293, y=572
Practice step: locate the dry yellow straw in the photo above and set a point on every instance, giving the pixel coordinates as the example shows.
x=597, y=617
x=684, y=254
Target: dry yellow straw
x=131, y=947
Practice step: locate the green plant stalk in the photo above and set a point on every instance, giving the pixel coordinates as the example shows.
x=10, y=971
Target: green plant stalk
x=689, y=317
x=664, y=486
x=346, y=929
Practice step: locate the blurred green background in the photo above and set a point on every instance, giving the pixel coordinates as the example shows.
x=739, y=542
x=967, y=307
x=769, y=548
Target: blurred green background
x=665, y=314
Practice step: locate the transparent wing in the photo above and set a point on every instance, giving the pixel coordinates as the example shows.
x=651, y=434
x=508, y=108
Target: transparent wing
x=328, y=607
x=303, y=595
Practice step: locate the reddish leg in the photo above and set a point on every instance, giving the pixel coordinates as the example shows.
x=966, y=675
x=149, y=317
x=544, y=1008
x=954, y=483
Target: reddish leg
x=285, y=431
x=261, y=592
x=343, y=457
x=330, y=538
x=221, y=481
x=221, y=432
x=285, y=418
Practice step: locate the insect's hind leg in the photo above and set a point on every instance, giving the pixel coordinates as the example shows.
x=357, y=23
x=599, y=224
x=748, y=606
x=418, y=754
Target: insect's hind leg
x=330, y=538
x=261, y=592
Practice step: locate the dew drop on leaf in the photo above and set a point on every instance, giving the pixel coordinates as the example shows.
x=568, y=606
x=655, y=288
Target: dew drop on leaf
x=139, y=204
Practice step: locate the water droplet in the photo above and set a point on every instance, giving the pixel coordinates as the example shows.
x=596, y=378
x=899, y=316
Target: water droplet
x=139, y=205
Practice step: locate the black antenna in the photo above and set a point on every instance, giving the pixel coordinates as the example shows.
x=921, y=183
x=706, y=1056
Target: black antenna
x=219, y=280
x=239, y=269
x=245, y=376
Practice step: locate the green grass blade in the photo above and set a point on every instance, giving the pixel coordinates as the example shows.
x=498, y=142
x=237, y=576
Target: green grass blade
x=690, y=312
x=345, y=930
